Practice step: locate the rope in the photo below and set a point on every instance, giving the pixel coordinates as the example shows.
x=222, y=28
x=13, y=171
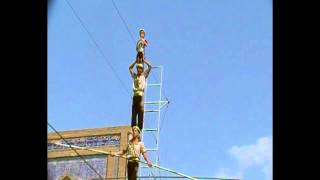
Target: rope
x=98, y=47
x=125, y=157
x=70, y=146
x=132, y=38
x=124, y=22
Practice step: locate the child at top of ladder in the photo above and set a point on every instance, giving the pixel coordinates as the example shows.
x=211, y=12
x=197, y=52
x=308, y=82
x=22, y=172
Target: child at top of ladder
x=142, y=43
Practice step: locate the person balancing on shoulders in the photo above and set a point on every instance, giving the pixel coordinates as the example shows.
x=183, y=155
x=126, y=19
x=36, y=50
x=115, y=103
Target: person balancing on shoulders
x=142, y=42
x=139, y=81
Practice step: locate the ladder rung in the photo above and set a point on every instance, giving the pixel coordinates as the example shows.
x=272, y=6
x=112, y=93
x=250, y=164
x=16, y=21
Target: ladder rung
x=151, y=110
x=150, y=129
x=152, y=149
x=155, y=102
x=154, y=84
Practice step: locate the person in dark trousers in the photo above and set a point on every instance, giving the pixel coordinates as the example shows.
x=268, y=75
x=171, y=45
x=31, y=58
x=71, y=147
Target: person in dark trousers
x=133, y=150
x=139, y=81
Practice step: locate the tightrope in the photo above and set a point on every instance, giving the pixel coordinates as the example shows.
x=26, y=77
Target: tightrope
x=125, y=157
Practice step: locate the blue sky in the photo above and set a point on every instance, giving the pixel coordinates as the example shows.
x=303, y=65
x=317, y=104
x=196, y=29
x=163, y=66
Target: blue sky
x=217, y=58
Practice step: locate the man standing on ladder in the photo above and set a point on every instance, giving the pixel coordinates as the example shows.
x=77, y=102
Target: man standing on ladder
x=139, y=81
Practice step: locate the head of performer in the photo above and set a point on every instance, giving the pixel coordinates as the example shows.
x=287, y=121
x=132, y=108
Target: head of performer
x=136, y=132
x=142, y=33
x=139, y=69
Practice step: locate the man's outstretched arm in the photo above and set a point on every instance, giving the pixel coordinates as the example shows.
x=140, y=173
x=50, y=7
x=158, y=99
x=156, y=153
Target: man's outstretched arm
x=145, y=156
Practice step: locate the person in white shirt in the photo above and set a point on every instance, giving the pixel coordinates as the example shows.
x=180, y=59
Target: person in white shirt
x=133, y=150
x=139, y=81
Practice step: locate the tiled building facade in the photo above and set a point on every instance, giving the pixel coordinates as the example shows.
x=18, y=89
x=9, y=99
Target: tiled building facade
x=64, y=164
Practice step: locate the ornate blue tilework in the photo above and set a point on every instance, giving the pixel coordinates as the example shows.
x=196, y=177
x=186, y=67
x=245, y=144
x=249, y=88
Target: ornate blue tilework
x=76, y=168
x=93, y=141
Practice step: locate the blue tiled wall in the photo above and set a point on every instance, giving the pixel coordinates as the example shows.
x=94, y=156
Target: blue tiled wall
x=77, y=168
x=94, y=141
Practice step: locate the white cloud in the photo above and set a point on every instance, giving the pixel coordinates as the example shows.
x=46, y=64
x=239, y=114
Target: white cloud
x=258, y=155
x=255, y=155
x=226, y=173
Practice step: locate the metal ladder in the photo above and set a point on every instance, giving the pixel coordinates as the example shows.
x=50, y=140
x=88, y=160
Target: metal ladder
x=154, y=105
